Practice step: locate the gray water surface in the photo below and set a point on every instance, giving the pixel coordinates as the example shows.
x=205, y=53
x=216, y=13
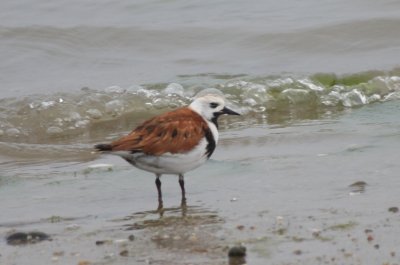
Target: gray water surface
x=47, y=47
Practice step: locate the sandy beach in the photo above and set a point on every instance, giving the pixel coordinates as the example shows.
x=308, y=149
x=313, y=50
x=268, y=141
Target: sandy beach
x=307, y=175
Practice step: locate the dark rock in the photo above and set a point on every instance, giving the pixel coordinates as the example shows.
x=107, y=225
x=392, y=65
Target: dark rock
x=100, y=242
x=240, y=227
x=237, y=251
x=131, y=237
x=124, y=253
x=358, y=186
x=297, y=252
x=394, y=209
x=22, y=238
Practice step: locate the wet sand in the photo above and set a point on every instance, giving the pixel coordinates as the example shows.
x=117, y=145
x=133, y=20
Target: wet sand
x=308, y=175
x=312, y=192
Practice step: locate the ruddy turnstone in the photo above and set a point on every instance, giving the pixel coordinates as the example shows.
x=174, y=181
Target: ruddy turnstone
x=174, y=142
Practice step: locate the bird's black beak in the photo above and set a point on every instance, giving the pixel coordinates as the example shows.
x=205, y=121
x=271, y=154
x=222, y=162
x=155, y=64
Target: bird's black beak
x=225, y=110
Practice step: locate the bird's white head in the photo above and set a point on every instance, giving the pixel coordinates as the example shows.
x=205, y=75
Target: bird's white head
x=211, y=106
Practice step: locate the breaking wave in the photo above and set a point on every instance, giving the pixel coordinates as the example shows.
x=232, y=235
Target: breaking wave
x=94, y=113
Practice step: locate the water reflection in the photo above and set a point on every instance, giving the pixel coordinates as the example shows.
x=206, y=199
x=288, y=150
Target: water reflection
x=189, y=230
x=182, y=215
x=237, y=260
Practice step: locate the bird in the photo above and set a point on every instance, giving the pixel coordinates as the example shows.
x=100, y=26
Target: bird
x=174, y=142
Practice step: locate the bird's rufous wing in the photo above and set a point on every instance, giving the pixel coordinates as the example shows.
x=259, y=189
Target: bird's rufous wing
x=177, y=131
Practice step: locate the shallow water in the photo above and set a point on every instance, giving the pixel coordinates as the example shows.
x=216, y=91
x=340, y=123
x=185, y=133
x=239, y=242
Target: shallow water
x=306, y=175
x=282, y=191
x=65, y=46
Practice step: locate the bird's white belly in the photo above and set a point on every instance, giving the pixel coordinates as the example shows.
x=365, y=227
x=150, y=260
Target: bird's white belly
x=170, y=163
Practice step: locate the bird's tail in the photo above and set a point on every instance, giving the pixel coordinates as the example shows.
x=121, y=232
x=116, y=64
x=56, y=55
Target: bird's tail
x=103, y=147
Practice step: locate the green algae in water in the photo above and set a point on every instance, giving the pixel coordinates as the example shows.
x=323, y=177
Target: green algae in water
x=344, y=226
x=359, y=78
x=326, y=79
x=331, y=79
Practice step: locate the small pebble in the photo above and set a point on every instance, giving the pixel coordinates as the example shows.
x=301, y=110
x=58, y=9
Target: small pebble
x=131, y=237
x=393, y=209
x=297, y=252
x=240, y=227
x=100, y=242
x=376, y=246
x=370, y=238
x=124, y=253
x=237, y=251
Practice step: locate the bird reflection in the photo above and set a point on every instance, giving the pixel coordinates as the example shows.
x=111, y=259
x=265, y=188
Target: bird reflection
x=187, y=215
x=161, y=210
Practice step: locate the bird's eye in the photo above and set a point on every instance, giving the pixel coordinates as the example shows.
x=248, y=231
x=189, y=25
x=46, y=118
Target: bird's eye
x=214, y=105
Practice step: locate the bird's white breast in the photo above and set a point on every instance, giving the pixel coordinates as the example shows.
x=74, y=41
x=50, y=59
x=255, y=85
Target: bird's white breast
x=169, y=163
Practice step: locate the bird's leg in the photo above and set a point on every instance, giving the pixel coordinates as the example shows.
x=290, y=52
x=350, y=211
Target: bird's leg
x=158, y=184
x=182, y=184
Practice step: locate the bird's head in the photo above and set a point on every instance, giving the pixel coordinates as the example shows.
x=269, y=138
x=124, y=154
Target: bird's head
x=211, y=106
